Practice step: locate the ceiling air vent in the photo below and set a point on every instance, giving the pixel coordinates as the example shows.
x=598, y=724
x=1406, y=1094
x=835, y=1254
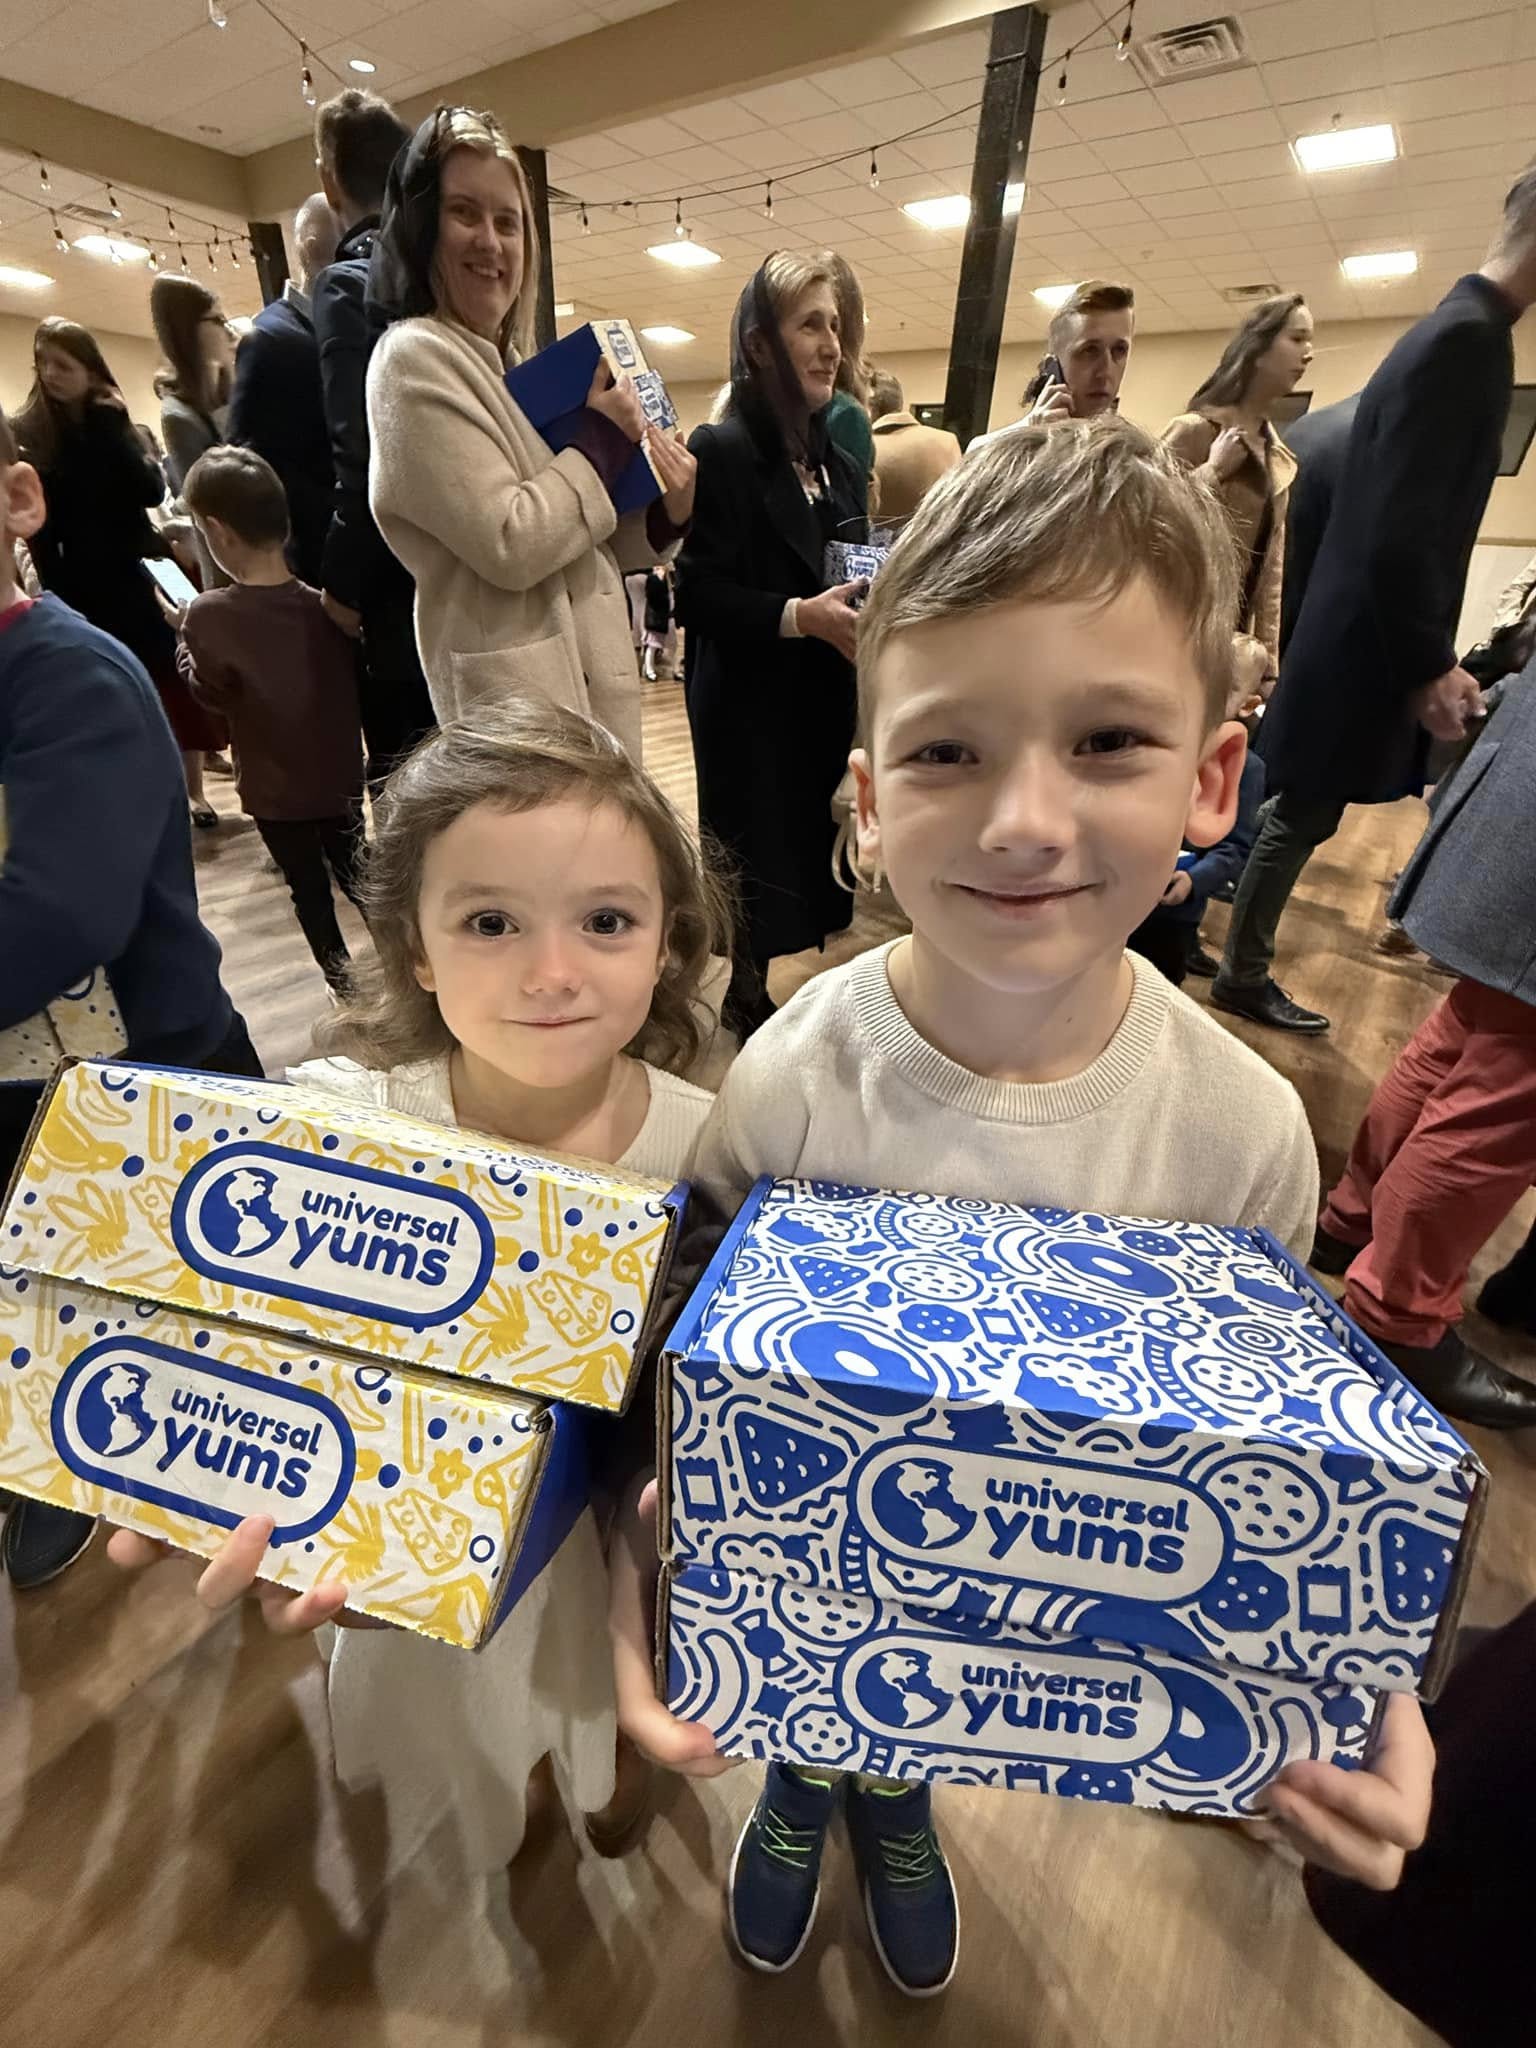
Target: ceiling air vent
x=1248, y=294
x=1199, y=50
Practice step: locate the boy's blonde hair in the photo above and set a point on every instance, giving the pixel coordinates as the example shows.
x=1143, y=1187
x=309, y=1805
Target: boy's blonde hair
x=514, y=758
x=1065, y=513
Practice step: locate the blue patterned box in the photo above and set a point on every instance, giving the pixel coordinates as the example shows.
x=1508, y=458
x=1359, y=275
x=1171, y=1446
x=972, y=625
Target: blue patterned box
x=783, y=1670
x=1156, y=1434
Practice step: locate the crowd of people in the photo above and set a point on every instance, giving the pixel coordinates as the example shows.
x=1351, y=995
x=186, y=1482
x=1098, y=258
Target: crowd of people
x=1098, y=679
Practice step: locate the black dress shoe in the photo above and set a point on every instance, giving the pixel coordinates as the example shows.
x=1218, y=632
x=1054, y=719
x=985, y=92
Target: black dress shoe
x=1466, y=1386
x=1203, y=964
x=41, y=1541
x=1332, y=1254
x=1509, y=1296
x=1266, y=1004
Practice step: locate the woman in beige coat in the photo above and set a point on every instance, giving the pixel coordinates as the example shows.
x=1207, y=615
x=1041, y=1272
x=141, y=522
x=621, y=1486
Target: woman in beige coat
x=516, y=551
x=1226, y=438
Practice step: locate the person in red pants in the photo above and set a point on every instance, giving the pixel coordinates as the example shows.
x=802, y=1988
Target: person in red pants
x=1448, y=1145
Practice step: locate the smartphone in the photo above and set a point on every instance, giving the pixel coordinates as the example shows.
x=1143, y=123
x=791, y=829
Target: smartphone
x=176, y=584
x=1053, y=371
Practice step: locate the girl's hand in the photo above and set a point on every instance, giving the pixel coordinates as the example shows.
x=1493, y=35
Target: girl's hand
x=109, y=396
x=633, y=1568
x=1361, y=1824
x=677, y=471
x=617, y=401
x=831, y=617
x=1178, y=889
x=1229, y=451
x=232, y=1574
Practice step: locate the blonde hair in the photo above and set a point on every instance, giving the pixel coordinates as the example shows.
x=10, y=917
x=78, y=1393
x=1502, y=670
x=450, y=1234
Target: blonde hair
x=1063, y=513
x=516, y=758
x=465, y=128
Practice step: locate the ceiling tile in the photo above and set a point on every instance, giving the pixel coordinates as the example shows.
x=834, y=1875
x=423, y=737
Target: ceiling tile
x=1357, y=68
x=1156, y=178
x=1459, y=46
x=1152, y=146
x=1207, y=99
x=1234, y=132
x=946, y=60
x=1295, y=28
x=796, y=101
x=715, y=120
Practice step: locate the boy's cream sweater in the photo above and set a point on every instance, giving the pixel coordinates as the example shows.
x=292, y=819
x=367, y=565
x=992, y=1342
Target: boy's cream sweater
x=1175, y=1119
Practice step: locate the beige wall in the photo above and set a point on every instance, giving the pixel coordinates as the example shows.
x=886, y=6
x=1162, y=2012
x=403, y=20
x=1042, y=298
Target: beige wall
x=131, y=357
x=1166, y=368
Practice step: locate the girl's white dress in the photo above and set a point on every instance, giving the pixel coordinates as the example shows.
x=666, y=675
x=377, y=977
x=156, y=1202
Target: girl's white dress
x=446, y=1731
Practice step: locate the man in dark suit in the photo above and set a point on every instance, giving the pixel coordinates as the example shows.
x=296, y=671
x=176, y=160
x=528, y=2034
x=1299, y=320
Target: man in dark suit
x=1370, y=674
x=1319, y=441
x=275, y=407
x=366, y=591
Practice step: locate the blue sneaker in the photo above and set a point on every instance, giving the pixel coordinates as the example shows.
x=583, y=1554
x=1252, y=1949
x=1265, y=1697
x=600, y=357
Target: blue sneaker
x=775, y=1878
x=909, y=1895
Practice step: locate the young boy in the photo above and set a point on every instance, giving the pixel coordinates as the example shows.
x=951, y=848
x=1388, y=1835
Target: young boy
x=95, y=872
x=264, y=654
x=1044, y=665
x=1169, y=935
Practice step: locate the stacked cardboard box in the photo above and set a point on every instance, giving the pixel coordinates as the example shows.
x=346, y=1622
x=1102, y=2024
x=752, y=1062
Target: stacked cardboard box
x=1117, y=1509
x=223, y=1297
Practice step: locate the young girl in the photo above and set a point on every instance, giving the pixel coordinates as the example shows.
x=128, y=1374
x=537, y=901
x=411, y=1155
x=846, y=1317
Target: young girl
x=542, y=920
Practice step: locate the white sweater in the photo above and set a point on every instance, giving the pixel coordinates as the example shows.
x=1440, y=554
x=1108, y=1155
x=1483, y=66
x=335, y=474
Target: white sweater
x=518, y=592
x=1175, y=1119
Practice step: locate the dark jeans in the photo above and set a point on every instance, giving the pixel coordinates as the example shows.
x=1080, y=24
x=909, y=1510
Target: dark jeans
x=310, y=851
x=392, y=692
x=1293, y=828
x=1166, y=943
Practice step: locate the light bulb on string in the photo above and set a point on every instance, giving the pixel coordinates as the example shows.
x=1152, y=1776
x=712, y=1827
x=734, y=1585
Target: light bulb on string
x=114, y=252
x=218, y=13
x=1123, y=47
x=678, y=228
x=185, y=265
x=213, y=261
x=58, y=236
x=586, y=225
x=234, y=254
x=154, y=260
x=306, y=76
x=170, y=225
x=874, y=173
x=42, y=175
x=112, y=206
x=1061, y=88
x=768, y=201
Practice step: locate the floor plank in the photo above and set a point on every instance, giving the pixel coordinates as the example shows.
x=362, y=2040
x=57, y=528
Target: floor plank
x=177, y=1866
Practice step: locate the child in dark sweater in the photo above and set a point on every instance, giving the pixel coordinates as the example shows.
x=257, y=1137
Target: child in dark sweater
x=1170, y=936
x=264, y=653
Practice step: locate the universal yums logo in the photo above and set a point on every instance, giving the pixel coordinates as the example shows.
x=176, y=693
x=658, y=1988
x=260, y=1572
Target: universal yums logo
x=993, y=1700
x=206, y=1439
x=1091, y=1528
x=302, y=1227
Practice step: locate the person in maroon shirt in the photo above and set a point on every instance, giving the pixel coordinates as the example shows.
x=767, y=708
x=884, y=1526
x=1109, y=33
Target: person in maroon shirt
x=264, y=653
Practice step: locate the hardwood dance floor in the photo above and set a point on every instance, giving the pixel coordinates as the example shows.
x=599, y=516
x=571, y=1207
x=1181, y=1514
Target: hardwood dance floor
x=178, y=1868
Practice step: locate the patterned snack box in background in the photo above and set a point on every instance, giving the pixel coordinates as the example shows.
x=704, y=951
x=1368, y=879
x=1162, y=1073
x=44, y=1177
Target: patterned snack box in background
x=837, y=1681
x=1149, y=1433
x=435, y=1500
x=292, y=1210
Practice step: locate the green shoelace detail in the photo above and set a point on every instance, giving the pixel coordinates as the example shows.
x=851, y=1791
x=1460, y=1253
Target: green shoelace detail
x=909, y=1859
x=785, y=1843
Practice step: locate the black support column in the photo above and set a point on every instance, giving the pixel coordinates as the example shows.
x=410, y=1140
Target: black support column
x=997, y=193
x=537, y=173
x=271, y=258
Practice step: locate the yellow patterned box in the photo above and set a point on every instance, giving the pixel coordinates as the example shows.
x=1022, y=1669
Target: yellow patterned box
x=362, y=1230
x=436, y=1501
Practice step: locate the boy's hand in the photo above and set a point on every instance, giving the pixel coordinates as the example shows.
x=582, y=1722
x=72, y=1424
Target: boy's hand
x=175, y=615
x=1361, y=1824
x=339, y=614
x=1177, y=890
x=229, y=1576
x=633, y=1565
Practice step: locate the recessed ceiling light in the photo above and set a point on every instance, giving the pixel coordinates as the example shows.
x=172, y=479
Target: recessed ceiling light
x=361, y=64
x=683, y=255
x=1054, y=295
x=1383, y=263
x=1338, y=149
x=952, y=211
x=113, y=247
x=28, y=280
x=667, y=337
x=564, y=308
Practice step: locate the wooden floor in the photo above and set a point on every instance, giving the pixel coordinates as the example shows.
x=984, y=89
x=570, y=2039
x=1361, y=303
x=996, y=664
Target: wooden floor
x=178, y=1870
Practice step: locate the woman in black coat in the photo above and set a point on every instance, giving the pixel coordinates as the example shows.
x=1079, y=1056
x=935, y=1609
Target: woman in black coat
x=99, y=481
x=770, y=689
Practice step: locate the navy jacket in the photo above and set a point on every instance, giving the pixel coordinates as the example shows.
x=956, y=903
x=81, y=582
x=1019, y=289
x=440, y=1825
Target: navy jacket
x=97, y=869
x=276, y=408
x=1225, y=861
x=1319, y=441
x=1385, y=591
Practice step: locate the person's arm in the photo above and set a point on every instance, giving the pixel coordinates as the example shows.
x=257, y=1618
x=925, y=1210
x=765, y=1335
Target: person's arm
x=202, y=667
x=438, y=465
x=78, y=759
x=1266, y=598
x=128, y=467
x=1361, y=1824
x=1225, y=861
x=354, y=548
x=1285, y=1198
x=186, y=435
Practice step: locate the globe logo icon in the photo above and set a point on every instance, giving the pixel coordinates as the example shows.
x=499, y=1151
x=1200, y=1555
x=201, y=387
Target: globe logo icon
x=897, y=1689
x=237, y=1214
x=111, y=1416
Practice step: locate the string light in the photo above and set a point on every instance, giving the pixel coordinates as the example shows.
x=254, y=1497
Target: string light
x=58, y=234
x=170, y=225
x=154, y=260
x=42, y=175
x=234, y=253
x=874, y=172
x=186, y=266
x=586, y=225
x=768, y=201
x=677, y=225
x=1061, y=86
x=306, y=76
x=112, y=206
x=218, y=13
x=213, y=261
x=1123, y=47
